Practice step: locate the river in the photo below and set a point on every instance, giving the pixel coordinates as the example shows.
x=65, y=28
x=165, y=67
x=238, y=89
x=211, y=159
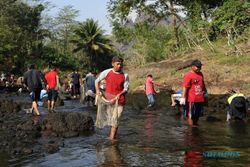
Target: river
x=148, y=138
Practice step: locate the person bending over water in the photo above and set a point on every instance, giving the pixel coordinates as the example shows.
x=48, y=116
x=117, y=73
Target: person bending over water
x=237, y=108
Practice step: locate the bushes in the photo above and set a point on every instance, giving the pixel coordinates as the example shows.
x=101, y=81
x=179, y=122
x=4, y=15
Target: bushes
x=150, y=44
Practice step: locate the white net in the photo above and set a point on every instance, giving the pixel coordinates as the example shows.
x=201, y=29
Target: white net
x=108, y=111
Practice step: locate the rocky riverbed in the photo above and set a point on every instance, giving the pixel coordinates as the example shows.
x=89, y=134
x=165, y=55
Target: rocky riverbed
x=69, y=134
x=22, y=133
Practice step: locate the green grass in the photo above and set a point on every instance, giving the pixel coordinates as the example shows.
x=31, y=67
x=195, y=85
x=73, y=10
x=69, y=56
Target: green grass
x=135, y=83
x=233, y=60
x=246, y=86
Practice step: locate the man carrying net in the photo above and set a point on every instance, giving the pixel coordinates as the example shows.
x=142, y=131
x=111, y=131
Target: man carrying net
x=110, y=103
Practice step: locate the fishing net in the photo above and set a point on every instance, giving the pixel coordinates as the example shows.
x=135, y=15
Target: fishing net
x=108, y=111
x=82, y=95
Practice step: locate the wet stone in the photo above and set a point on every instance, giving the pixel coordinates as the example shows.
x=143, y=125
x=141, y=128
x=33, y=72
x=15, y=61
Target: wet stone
x=27, y=151
x=213, y=119
x=51, y=148
x=21, y=133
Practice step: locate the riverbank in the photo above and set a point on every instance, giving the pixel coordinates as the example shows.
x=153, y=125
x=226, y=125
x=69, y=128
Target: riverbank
x=222, y=71
x=23, y=134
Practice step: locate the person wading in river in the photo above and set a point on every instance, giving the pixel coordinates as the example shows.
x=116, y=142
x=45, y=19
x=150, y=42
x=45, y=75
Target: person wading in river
x=237, y=108
x=52, y=87
x=32, y=80
x=193, y=93
x=150, y=90
x=116, y=87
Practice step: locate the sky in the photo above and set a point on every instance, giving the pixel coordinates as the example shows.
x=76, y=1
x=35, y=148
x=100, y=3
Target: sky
x=96, y=9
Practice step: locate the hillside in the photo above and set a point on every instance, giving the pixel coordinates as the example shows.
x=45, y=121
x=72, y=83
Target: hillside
x=222, y=69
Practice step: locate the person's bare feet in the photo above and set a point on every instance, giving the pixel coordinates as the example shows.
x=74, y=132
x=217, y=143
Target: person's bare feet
x=36, y=113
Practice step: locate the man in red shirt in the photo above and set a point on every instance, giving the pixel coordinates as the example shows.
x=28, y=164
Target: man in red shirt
x=193, y=93
x=52, y=87
x=116, y=87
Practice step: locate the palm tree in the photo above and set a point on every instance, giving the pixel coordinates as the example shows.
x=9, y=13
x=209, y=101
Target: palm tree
x=90, y=39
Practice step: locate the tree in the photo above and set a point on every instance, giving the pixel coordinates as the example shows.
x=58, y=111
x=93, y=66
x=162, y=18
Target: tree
x=156, y=11
x=90, y=39
x=225, y=20
x=65, y=22
x=20, y=32
x=57, y=47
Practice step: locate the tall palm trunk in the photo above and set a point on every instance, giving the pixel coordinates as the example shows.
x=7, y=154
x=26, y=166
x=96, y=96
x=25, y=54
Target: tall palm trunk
x=173, y=11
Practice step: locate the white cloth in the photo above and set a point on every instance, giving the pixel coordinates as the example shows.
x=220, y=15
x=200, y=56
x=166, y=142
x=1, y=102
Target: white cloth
x=182, y=101
x=90, y=93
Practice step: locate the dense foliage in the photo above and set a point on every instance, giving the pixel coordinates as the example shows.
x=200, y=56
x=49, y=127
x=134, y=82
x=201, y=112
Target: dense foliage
x=29, y=35
x=143, y=31
x=89, y=38
x=20, y=33
x=186, y=24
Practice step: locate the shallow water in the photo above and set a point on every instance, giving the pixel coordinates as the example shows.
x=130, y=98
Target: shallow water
x=147, y=138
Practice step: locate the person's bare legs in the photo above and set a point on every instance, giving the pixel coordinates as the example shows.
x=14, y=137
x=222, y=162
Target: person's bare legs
x=35, y=108
x=32, y=108
x=173, y=100
x=113, y=132
x=193, y=122
x=49, y=105
x=189, y=121
x=52, y=105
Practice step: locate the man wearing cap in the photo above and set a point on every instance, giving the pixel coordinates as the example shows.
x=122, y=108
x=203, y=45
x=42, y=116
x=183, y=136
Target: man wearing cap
x=193, y=93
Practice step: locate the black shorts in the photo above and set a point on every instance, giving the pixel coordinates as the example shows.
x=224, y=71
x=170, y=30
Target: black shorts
x=193, y=109
x=52, y=94
x=35, y=95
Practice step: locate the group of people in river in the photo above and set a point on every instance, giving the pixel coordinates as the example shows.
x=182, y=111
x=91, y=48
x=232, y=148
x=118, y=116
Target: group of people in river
x=47, y=84
x=111, y=97
x=7, y=79
x=191, y=98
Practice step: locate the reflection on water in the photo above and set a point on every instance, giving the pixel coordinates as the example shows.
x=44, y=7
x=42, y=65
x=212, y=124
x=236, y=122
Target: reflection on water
x=194, y=142
x=150, y=138
x=193, y=159
x=109, y=156
x=149, y=128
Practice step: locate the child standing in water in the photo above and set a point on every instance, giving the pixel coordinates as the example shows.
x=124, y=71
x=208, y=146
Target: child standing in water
x=117, y=83
x=175, y=98
x=150, y=90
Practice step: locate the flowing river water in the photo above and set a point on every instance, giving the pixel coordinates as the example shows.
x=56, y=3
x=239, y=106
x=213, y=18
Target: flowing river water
x=147, y=138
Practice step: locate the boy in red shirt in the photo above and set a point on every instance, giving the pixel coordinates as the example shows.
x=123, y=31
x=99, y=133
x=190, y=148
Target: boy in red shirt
x=150, y=91
x=52, y=87
x=116, y=87
x=193, y=93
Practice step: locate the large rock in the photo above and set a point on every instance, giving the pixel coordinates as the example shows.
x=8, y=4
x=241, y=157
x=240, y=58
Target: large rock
x=68, y=124
x=9, y=105
x=20, y=133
